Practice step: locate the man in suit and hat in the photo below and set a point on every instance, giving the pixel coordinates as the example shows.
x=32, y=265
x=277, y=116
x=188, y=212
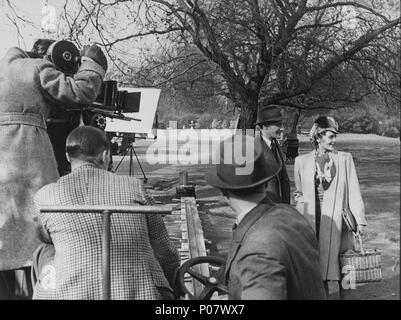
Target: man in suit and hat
x=274, y=253
x=270, y=121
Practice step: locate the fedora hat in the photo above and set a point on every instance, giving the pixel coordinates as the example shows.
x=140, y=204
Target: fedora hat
x=269, y=113
x=230, y=173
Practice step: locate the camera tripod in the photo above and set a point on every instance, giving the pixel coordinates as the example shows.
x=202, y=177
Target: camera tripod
x=131, y=151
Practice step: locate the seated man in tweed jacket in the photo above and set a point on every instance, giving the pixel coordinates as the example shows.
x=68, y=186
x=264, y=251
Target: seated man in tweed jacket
x=143, y=260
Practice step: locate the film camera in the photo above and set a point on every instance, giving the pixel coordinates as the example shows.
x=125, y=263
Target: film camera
x=65, y=56
x=110, y=102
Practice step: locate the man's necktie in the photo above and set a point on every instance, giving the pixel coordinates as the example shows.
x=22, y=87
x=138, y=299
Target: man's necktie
x=273, y=148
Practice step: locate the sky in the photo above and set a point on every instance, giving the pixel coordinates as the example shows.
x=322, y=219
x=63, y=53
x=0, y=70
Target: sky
x=31, y=10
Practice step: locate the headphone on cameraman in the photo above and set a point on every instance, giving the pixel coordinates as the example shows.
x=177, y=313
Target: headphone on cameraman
x=65, y=56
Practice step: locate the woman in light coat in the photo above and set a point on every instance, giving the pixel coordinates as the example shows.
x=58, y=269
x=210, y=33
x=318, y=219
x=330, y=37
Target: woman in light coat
x=30, y=87
x=325, y=181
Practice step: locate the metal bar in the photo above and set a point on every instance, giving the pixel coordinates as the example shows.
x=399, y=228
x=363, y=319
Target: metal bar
x=114, y=209
x=106, y=239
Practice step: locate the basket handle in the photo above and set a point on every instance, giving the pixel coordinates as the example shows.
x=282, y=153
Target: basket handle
x=359, y=237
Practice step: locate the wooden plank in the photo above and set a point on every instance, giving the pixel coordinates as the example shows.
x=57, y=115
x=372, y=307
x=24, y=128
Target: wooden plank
x=183, y=178
x=185, y=229
x=195, y=238
x=176, y=226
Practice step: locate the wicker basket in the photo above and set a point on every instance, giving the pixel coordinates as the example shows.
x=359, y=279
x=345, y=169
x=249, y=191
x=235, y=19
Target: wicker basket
x=363, y=265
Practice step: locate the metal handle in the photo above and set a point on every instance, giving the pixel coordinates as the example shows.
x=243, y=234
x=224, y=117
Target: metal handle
x=359, y=237
x=135, y=209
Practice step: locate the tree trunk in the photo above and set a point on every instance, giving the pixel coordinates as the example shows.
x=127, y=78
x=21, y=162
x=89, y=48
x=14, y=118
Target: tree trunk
x=291, y=142
x=290, y=129
x=248, y=115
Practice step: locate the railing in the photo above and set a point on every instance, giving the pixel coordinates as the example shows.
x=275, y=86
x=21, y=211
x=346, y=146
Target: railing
x=106, y=212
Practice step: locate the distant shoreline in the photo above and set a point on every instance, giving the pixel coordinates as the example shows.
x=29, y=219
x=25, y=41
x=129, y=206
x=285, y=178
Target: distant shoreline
x=218, y=134
x=354, y=136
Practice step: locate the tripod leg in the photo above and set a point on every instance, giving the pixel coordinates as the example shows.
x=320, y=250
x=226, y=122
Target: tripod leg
x=145, y=180
x=121, y=161
x=131, y=171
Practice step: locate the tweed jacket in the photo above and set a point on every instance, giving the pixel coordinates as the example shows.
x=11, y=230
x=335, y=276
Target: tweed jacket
x=142, y=256
x=274, y=256
x=334, y=238
x=279, y=187
x=29, y=89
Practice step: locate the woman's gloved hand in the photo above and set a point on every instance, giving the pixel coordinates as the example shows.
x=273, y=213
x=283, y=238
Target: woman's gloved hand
x=96, y=54
x=360, y=230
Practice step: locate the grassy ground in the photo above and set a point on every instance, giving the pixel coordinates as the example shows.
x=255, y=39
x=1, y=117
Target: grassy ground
x=377, y=161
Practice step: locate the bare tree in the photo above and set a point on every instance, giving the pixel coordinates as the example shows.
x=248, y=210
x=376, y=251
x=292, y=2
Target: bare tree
x=302, y=54
x=13, y=16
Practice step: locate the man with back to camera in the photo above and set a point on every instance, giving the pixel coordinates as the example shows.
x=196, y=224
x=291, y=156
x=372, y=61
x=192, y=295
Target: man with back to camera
x=270, y=120
x=274, y=254
x=143, y=259
x=30, y=88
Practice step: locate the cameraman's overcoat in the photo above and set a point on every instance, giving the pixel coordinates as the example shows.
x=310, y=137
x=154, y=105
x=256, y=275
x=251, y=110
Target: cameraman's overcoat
x=29, y=88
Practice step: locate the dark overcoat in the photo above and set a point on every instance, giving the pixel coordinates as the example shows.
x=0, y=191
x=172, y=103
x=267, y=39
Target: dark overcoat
x=279, y=187
x=274, y=256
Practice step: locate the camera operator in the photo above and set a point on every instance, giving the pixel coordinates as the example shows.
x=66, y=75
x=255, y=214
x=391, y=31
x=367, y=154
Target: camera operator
x=30, y=88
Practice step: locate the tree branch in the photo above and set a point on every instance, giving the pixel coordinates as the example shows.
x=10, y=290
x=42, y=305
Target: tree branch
x=347, y=3
x=358, y=45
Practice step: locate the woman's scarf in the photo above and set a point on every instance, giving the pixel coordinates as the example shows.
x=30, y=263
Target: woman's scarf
x=325, y=169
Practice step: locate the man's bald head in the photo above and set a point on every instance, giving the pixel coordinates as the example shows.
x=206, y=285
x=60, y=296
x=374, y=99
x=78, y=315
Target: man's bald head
x=86, y=143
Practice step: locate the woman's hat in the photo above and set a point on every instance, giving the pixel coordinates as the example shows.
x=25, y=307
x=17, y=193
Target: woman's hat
x=236, y=171
x=323, y=123
x=269, y=113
